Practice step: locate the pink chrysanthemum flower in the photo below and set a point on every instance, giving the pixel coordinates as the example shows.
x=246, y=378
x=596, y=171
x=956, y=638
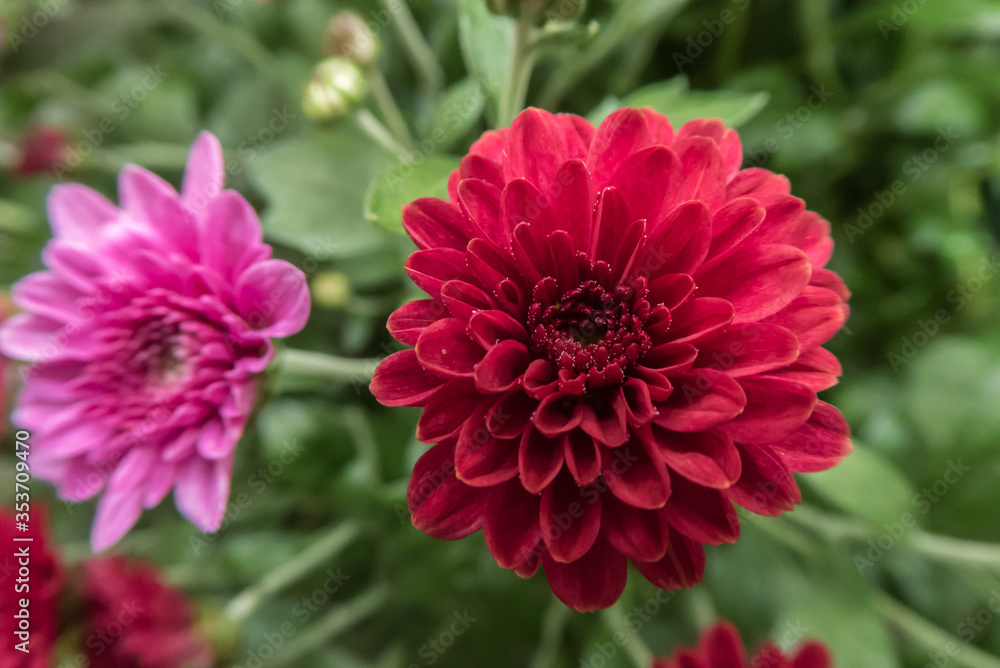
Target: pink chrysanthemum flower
x=721, y=647
x=622, y=339
x=134, y=620
x=146, y=338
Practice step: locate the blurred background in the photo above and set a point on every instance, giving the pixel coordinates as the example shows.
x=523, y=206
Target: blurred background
x=885, y=116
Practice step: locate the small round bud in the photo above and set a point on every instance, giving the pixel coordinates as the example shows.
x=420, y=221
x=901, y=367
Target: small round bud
x=331, y=289
x=538, y=11
x=336, y=89
x=349, y=36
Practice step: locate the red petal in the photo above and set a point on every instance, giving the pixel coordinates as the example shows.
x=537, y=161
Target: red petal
x=639, y=406
x=813, y=655
x=723, y=646
x=481, y=459
x=409, y=320
x=400, y=381
x=637, y=533
x=536, y=146
x=464, y=299
x=732, y=224
x=434, y=223
x=671, y=290
x=502, y=367
x=702, y=399
x=539, y=460
x=573, y=201
x=819, y=444
x=699, y=317
x=774, y=409
x=645, y=179
x=758, y=281
x=814, y=316
x=510, y=415
x=441, y=505
x=540, y=380
x=747, y=349
x=445, y=412
x=557, y=413
x=430, y=269
x=511, y=525
x=623, y=133
x=480, y=202
x=583, y=456
x=816, y=369
x=446, y=349
x=707, y=458
x=703, y=173
x=570, y=518
x=682, y=567
x=766, y=486
x=593, y=582
x=611, y=219
x=679, y=244
x=636, y=475
x=605, y=420
x=702, y=514
x=489, y=328
x=490, y=266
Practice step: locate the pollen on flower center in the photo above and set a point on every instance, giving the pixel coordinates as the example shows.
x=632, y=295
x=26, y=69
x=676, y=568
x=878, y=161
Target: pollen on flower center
x=591, y=330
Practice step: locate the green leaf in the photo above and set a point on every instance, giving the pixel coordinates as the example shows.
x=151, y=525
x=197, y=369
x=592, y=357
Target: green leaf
x=866, y=484
x=315, y=186
x=673, y=98
x=402, y=183
x=459, y=111
x=486, y=41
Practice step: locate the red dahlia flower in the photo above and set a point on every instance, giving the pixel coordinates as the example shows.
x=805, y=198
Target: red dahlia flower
x=623, y=339
x=721, y=647
x=136, y=621
x=40, y=588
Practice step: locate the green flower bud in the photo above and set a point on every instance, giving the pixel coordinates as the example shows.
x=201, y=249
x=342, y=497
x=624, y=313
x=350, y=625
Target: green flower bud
x=538, y=11
x=349, y=36
x=336, y=89
x=331, y=289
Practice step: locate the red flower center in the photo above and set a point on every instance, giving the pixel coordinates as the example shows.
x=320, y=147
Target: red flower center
x=591, y=333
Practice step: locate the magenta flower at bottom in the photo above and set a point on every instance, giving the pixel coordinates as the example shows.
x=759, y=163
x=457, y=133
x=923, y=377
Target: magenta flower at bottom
x=721, y=647
x=146, y=337
x=622, y=338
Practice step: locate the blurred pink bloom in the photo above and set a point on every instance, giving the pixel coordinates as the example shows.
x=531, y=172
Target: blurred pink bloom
x=146, y=337
x=136, y=621
x=45, y=146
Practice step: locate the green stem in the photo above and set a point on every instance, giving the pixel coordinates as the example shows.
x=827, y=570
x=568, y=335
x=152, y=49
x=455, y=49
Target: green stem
x=421, y=53
x=390, y=110
x=332, y=624
x=522, y=62
x=372, y=127
x=289, y=572
x=635, y=646
x=956, y=550
x=553, y=625
x=929, y=635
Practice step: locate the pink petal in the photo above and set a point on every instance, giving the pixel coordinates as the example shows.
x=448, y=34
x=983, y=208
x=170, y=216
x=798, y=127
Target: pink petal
x=48, y=295
x=117, y=513
x=77, y=213
x=205, y=174
x=202, y=491
x=231, y=237
x=273, y=298
x=150, y=200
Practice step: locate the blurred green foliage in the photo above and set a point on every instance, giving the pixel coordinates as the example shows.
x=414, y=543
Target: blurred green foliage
x=885, y=116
